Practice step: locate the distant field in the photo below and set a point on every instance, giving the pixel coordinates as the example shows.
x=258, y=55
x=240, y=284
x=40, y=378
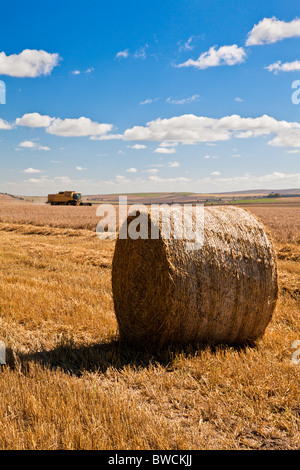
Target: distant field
x=51, y=216
x=279, y=200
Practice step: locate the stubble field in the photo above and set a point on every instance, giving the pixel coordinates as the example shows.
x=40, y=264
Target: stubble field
x=70, y=384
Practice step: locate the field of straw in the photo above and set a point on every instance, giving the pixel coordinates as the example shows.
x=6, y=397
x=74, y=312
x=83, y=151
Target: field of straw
x=70, y=384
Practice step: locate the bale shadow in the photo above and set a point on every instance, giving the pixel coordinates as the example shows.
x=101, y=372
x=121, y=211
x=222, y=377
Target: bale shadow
x=116, y=354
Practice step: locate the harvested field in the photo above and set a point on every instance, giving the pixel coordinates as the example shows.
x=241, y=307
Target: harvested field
x=70, y=384
x=283, y=222
x=51, y=216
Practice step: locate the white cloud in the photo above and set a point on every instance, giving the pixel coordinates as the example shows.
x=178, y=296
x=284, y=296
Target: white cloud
x=123, y=54
x=137, y=146
x=185, y=46
x=141, y=52
x=34, y=120
x=121, y=179
x=153, y=171
x=215, y=173
x=164, y=150
x=289, y=138
x=131, y=170
x=173, y=164
x=42, y=147
x=186, y=129
x=32, y=145
x=168, y=144
x=80, y=127
x=29, y=63
x=157, y=179
x=107, y=136
x=187, y=100
x=238, y=99
x=80, y=168
x=284, y=67
x=75, y=72
x=213, y=157
x=4, y=125
x=189, y=129
x=32, y=170
x=63, y=179
x=270, y=30
x=149, y=100
x=27, y=144
x=225, y=55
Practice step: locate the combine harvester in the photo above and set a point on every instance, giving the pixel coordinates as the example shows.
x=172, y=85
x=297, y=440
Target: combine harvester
x=66, y=198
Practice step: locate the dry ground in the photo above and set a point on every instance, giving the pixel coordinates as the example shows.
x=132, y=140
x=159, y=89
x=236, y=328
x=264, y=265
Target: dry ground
x=69, y=383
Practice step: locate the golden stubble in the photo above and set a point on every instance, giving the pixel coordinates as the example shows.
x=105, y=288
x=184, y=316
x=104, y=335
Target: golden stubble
x=70, y=384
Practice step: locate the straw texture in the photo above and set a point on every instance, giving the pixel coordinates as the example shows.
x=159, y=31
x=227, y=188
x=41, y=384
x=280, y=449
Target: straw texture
x=225, y=292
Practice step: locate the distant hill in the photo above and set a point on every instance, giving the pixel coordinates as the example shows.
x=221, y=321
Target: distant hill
x=263, y=192
x=167, y=198
x=10, y=198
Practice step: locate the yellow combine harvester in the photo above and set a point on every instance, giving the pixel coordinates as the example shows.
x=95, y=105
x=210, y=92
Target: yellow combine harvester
x=66, y=198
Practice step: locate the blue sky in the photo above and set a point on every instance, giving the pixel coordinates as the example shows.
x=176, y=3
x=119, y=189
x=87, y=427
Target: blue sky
x=149, y=96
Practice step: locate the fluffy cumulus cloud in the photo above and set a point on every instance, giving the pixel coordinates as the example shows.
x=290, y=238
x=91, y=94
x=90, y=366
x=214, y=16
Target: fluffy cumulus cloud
x=270, y=30
x=34, y=120
x=225, y=55
x=185, y=129
x=4, y=125
x=32, y=170
x=189, y=129
x=284, y=67
x=29, y=144
x=80, y=127
x=165, y=150
x=137, y=146
x=29, y=63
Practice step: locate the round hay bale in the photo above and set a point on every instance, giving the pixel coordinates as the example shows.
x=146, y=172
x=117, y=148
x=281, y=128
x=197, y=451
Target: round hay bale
x=224, y=292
